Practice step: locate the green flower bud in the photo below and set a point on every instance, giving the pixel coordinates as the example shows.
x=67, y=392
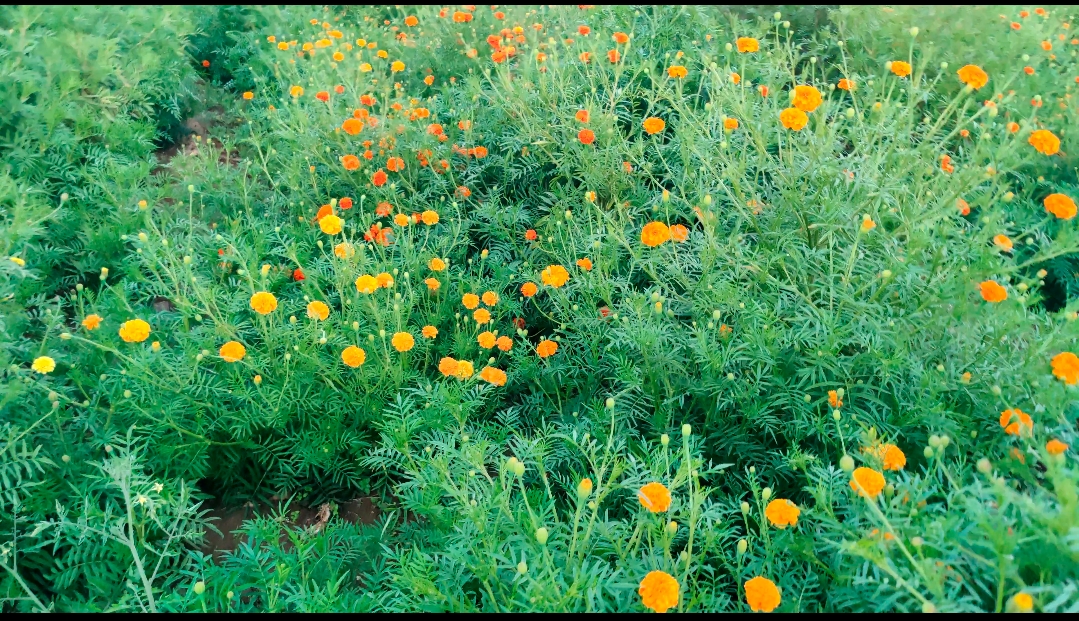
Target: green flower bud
x=743, y=545
x=541, y=536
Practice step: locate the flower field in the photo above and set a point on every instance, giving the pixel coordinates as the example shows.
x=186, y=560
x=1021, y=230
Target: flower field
x=564, y=308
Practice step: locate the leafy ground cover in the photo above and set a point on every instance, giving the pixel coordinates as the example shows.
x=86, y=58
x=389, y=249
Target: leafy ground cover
x=538, y=308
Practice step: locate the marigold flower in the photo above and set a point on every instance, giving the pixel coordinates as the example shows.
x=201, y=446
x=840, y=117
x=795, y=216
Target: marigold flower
x=486, y=340
x=867, y=482
x=1060, y=205
x=296, y=91
x=946, y=164
x=436, y=264
x=1016, y=421
x=531, y=235
x=504, y=343
x=677, y=71
x=655, y=497
x=992, y=292
x=963, y=206
x=546, y=348
x=584, y=488
x=464, y=370
x=782, y=513
x=793, y=118
x=834, y=400
x=1055, y=447
x=490, y=298
x=395, y=164
x=893, y=458
x=1003, y=242
x=91, y=322
x=806, y=98
x=379, y=178
x=400, y=219
x=620, y=37
x=730, y=123
x=344, y=250
x=654, y=234
x=973, y=76
x=447, y=366
x=846, y=84
x=470, y=300
x=493, y=375
x=331, y=224
x=735, y=78
x=353, y=356
x=232, y=352
x=586, y=136
x=318, y=310
x=659, y=591
x=554, y=276
x=1066, y=367
x=366, y=284
x=429, y=332
x=901, y=68
x=585, y=264
x=411, y=21
x=432, y=284
x=430, y=218
x=761, y=594
x=1044, y=141
x=613, y=56
x=248, y=95
x=262, y=303
x=43, y=365
x=747, y=44
x=582, y=116
x=350, y=162
x=402, y=341
x=352, y=126
x=529, y=289
x=653, y=125
x=763, y=90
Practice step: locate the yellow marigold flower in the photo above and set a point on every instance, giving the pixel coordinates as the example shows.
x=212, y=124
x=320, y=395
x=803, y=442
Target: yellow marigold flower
x=1044, y=142
x=91, y=322
x=43, y=365
x=432, y=284
x=384, y=280
x=470, y=300
x=868, y=224
x=554, y=276
x=353, y=356
x=134, y=331
x=493, y=375
x=296, y=91
x=436, y=264
x=344, y=250
x=867, y=482
x=490, y=298
x=430, y=218
x=655, y=497
x=504, y=343
x=658, y=591
x=654, y=234
x=365, y=67
x=1023, y=602
x=806, y=98
x=464, y=369
x=761, y=594
x=429, y=332
x=584, y=488
x=397, y=66
x=901, y=68
x=400, y=219
x=1060, y=205
x=382, y=53
x=677, y=71
x=782, y=513
x=263, y=303
x=232, y=352
x=793, y=119
x=1066, y=367
x=893, y=457
x=973, y=76
x=482, y=316
x=486, y=340
x=447, y=366
x=366, y=284
x=546, y=348
x=318, y=310
x=403, y=341
x=1055, y=447
x=330, y=224
x=747, y=44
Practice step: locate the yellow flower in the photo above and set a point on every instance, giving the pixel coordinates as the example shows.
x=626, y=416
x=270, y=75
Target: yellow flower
x=134, y=331
x=330, y=224
x=782, y=513
x=403, y=341
x=366, y=284
x=232, y=352
x=353, y=356
x=429, y=332
x=436, y=264
x=397, y=66
x=318, y=310
x=43, y=365
x=344, y=250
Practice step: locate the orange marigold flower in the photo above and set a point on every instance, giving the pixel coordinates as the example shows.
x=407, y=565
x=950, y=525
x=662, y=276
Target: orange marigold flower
x=834, y=400
x=395, y=164
x=679, y=233
x=91, y=322
x=490, y=298
x=1003, y=242
x=1060, y=206
x=463, y=192
x=761, y=594
x=464, y=370
x=1066, y=367
x=1013, y=127
x=322, y=96
x=747, y=44
x=846, y=84
x=654, y=234
x=613, y=55
x=400, y=219
x=973, y=76
x=658, y=591
x=429, y=80
x=782, y=513
x=430, y=218
x=763, y=90
x=366, y=284
x=384, y=280
x=331, y=224
x=1016, y=421
x=493, y=375
x=344, y=250
x=1044, y=141
x=946, y=164
x=584, y=30
x=486, y=340
x=470, y=300
x=806, y=98
x=137, y=330
x=436, y=264
x=411, y=21
x=504, y=343
x=737, y=79
x=992, y=292
x=653, y=125
x=248, y=95
x=620, y=37
x=586, y=136
x=379, y=178
x=531, y=235
x=350, y=162
x=793, y=118
x=1055, y=447
x=677, y=71
x=263, y=303
x=447, y=366
x=585, y=264
x=353, y=356
x=318, y=310
x=482, y=316
x=546, y=348
x=867, y=482
x=403, y=341
x=655, y=497
x=963, y=206
x=554, y=276
x=730, y=123
x=429, y=332
x=529, y=289
x=893, y=458
x=901, y=68
x=232, y=352
x=582, y=116
x=432, y=284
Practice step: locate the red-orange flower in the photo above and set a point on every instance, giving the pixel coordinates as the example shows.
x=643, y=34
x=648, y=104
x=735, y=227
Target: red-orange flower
x=992, y=292
x=653, y=125
x=379, y=178
x=586, y=136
